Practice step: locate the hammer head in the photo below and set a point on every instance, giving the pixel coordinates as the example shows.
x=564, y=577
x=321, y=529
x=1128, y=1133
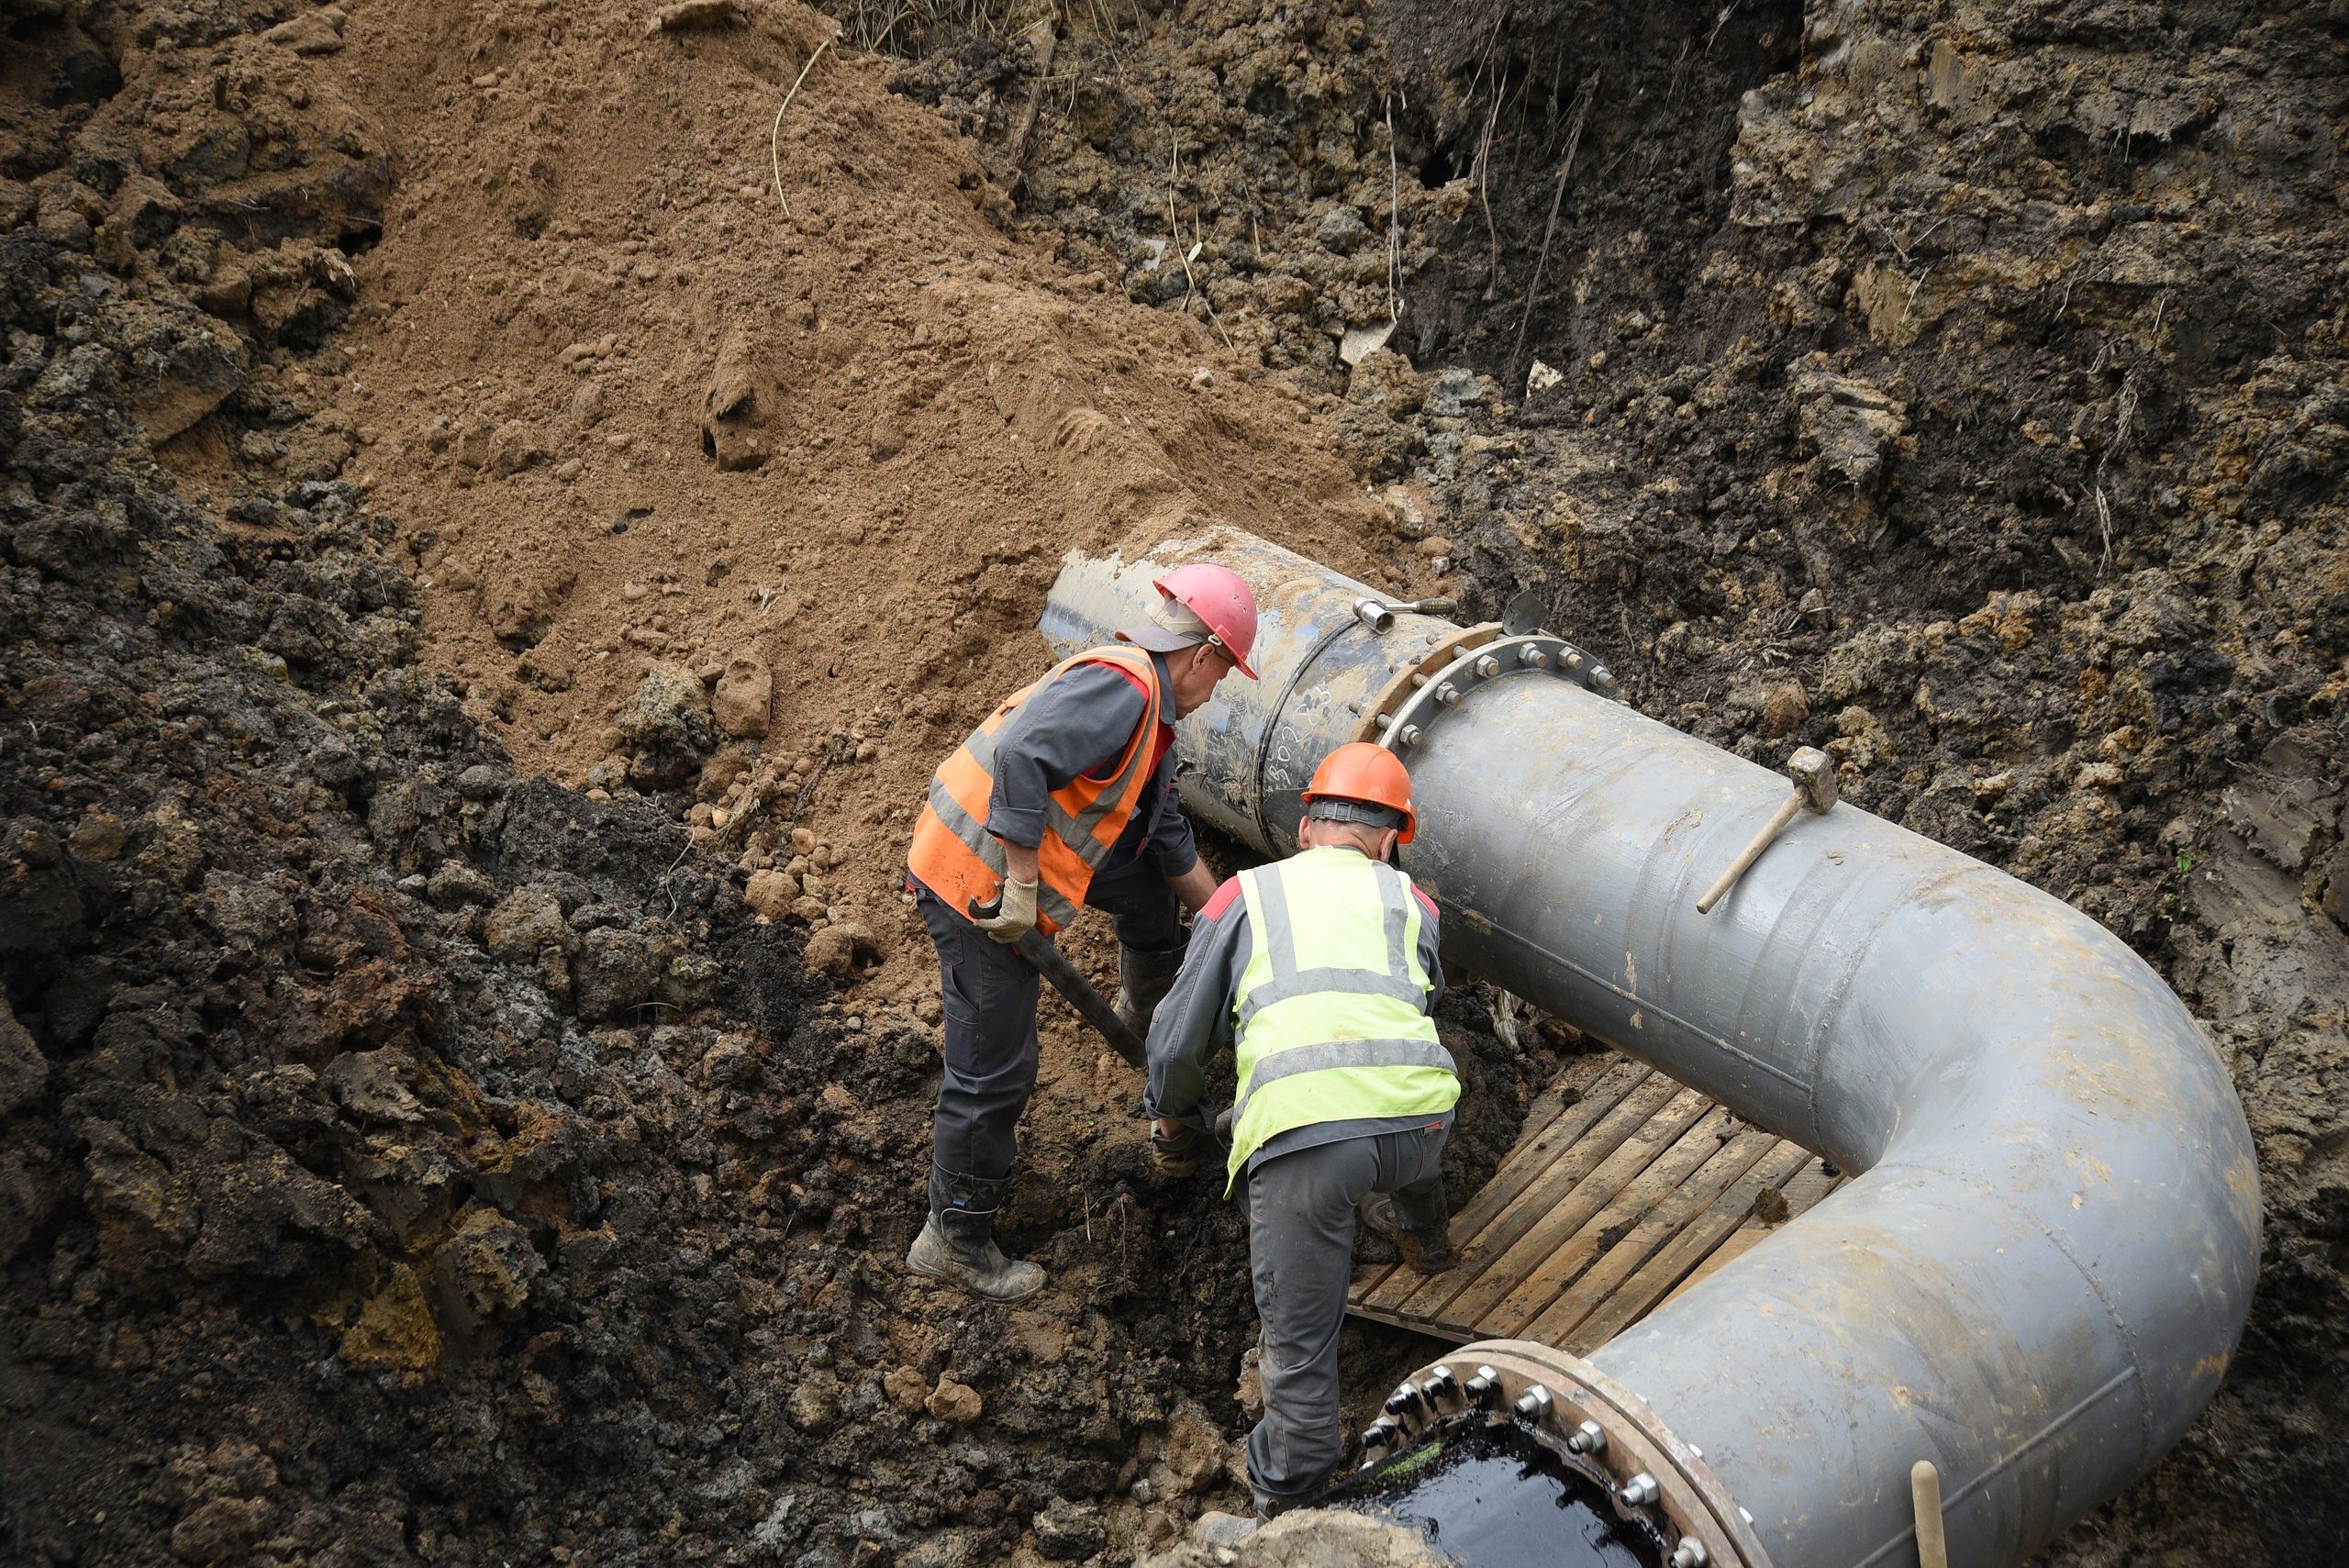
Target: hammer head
x=1813, y=772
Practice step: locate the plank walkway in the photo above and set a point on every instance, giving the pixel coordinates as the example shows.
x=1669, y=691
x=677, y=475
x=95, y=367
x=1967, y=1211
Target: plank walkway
x=1624, y=1189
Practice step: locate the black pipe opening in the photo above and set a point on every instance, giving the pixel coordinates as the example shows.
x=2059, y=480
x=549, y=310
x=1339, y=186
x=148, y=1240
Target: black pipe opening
x=1491, y=1496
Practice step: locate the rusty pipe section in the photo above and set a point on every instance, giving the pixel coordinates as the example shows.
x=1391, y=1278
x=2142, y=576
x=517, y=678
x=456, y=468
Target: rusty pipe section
x=2043, y=1263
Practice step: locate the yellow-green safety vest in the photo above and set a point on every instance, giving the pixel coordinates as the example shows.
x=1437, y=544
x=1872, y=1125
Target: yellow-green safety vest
x=1330, y=1011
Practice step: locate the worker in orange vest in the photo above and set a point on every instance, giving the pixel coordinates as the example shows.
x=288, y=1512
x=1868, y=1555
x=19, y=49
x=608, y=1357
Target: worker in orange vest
x=1063, y=797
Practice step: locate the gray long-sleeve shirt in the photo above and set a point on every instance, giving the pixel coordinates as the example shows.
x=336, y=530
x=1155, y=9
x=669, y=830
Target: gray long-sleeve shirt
x=1078, y=726
x=1198, y=1019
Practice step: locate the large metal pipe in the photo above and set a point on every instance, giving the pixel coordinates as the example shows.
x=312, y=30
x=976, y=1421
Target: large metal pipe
x=2042, y=1265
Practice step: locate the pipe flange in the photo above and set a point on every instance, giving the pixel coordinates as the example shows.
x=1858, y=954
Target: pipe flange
x=1534, y=653
x=1594, y=1426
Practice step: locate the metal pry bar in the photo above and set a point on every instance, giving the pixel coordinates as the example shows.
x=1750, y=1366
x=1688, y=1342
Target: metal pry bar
x=1813, y=772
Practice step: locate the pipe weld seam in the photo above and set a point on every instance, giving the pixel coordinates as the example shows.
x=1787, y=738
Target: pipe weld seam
x=1830, y=1007
x=2095, y=1287
x=1643, y=1003
x=2043, y=1435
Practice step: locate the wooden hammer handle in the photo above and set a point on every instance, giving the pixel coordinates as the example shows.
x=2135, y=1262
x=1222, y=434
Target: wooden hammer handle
x=1770, y=830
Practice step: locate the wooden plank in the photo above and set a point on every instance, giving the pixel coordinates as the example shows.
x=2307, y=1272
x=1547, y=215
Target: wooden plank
x=1552, y=1221
x=1580, y=1092
x=1655, y=1230
x=1662, y=1277
x=1802, y=1191
x=1554, y=1183
x=1601, y=1093
x=1566, y=1263
x=1608, y=1207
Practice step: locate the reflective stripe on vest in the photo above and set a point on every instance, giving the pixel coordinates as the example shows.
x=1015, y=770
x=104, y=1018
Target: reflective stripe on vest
x=955, y=857
x=1329, y=1008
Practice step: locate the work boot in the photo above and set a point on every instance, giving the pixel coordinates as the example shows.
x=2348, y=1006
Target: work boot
x=1143, y=980
x=958, y=1241
x=1418, y=1224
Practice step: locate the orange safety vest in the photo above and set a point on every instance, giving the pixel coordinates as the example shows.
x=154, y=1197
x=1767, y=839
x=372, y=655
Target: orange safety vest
x=956, y=858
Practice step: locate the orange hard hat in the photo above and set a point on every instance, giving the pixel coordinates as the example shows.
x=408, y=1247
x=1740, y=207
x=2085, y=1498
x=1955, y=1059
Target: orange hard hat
x=1363, y=774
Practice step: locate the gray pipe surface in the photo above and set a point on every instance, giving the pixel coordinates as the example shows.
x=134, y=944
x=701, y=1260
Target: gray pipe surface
x=2042, y=1265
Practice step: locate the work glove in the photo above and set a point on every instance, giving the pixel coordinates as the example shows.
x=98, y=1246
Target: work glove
x=1183, y=1154
x=1015, y=913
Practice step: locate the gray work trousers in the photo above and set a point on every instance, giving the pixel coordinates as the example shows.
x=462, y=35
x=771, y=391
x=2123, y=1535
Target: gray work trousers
x=988, y=994
x=1301, y=1210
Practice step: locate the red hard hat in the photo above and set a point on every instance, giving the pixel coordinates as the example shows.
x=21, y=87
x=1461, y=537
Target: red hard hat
x=1220, y=596
x=1371, y=774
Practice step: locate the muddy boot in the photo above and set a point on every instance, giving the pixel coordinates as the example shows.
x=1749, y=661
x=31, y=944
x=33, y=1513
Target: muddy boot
x=958, y=1243
x=1143, y=980
x=1419, y=1223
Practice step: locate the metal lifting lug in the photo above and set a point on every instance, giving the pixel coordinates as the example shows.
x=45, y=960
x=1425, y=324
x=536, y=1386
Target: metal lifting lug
x=1441, y=1384
x=1482, y=1389
x=1640, y=1491
x=1530, y=656
x=1689, y=1553
x=1448, y=695
x=1587, y=1439
x=1404, y=1401
x=1534, y=1403
x=1487, y=667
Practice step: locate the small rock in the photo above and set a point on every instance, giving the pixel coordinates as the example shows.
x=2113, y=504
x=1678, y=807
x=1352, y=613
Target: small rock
x=455, y=883
x=1067, y=1531
x=1783, y=709
x=98, y=837
x=729, y=1062
x=816, y=1403
x=834, y=949
x=526, y=922
x=958, y=1403
x=907, y=1389
x=319, y=32
x=1433, y=545
x=670, y=711
x=803, y=839
x=888, y=440
x=745, y=693
x=771, y=893
x=811, y=909
x=480, y=782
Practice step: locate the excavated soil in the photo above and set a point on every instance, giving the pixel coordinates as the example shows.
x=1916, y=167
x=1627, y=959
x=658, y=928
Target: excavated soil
x=499, y=524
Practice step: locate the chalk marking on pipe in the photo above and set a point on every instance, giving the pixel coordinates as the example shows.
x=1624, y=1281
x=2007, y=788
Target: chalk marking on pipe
x=2041, y=1436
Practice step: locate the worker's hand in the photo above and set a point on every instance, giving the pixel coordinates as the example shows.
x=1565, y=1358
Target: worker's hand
x=1182, y=1151
x=1015, y=913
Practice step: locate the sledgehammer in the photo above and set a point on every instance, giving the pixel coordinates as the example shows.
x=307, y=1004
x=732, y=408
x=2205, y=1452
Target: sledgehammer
x=1053, y=965
x=1813, y=772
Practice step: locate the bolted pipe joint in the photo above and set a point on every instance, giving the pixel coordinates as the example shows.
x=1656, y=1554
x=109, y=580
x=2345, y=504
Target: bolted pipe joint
x=1441, y=1385
x=1404, y=1401
x=1381, y=1433
x=1484, y=1390
x=1689, y=1553
x=1641, y=1491
x=1587, y=1439
x=1534, y=1403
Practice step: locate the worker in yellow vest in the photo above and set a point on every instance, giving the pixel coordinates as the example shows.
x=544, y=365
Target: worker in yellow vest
x=1063, y=797
x=1321, y=972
